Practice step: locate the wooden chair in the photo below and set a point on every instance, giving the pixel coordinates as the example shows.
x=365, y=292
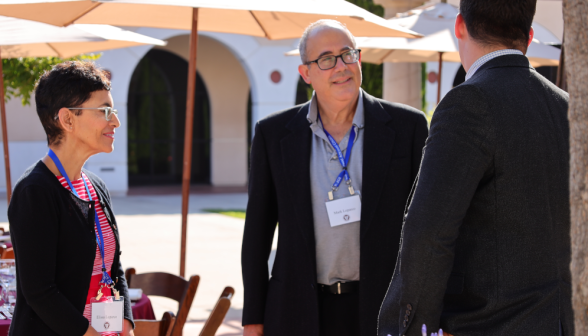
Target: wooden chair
x=8, y=253
x=169, y=286
x=2, y=248
x=218, y=313
x=161, y=327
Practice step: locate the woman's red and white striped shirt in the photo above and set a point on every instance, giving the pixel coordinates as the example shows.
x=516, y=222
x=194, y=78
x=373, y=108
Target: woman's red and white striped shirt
x=109, y=244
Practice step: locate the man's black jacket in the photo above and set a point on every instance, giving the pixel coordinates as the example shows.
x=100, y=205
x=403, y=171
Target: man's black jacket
x=486, y=242
x=279, y=191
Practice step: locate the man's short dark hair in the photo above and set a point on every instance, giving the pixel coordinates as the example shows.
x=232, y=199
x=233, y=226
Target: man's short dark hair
x=68, y=84
x=499, y=22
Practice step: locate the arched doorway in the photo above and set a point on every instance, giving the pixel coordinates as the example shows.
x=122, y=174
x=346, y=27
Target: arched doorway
x=156, y=120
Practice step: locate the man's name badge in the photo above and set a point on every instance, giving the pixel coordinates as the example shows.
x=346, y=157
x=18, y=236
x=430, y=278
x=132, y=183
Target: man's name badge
x=107, y=314
x=344, y=211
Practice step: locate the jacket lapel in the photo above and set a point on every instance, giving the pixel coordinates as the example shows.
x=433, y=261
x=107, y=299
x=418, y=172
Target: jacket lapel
x=296, y=148
x=377, y=152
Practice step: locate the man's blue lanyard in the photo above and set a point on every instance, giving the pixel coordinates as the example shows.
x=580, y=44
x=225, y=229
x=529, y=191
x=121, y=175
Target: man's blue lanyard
x=99, y=238
x=344, y=160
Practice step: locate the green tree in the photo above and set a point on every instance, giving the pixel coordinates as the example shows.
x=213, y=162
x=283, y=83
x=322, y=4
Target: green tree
x=370, y=6
x=21, y=74
x=373, y=74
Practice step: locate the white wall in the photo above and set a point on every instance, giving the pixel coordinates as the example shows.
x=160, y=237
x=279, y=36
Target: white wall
x=228, y=90
x=258, y=58
x=447, y=76
x=26, y=140
x=23, y=154
x=112, y=167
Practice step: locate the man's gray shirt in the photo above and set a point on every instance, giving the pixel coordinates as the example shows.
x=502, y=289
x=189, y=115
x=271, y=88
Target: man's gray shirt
x=337, y=248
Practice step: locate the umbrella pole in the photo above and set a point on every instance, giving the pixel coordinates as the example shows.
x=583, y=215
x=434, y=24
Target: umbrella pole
x=4, y=134
x=439, y=78
x=187, y=167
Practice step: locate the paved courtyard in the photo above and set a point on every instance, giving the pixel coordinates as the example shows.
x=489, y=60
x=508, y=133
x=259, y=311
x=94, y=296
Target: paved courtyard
x=150, y=228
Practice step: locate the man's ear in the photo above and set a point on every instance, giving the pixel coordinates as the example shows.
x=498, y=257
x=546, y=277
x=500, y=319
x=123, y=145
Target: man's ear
x=531, y=35
x=461, y=31
x=303, y=70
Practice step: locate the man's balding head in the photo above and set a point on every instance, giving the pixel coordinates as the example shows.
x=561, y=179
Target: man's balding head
x=314, y=28
x=336, y=83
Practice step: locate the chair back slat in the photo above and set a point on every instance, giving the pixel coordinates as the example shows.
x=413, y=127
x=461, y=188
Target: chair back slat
x=155, y=328
x=185, y=304
x=169, y=286
x=218, y=313
x=172, y=322
x=228, y=292
x=8, y=253
x=161, y=284
x=2, y=248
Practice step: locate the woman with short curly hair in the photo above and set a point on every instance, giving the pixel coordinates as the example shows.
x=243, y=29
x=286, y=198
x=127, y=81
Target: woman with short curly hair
x=62, y=226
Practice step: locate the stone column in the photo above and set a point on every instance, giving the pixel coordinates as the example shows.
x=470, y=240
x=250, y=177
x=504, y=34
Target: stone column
x=402, y=81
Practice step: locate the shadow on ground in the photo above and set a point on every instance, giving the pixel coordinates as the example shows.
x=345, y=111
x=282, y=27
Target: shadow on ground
x=231, y=325
x=172, y=204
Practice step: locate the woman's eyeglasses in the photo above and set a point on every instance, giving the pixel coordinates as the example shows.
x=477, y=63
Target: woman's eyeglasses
x=108, y=111
x=328, y=62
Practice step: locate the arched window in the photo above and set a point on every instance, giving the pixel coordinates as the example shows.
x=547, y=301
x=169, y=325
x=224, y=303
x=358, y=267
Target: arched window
x=156, y=121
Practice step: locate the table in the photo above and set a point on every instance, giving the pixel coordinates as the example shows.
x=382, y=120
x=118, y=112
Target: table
x=142, y=310
x=4, y=326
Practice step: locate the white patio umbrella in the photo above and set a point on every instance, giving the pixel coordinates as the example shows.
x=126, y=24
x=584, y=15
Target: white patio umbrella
x=441, y=46
x=264, y=18
x=394, y=50
x=436, y=22
x=272, y=19
x=430, y=19
x=23, y=38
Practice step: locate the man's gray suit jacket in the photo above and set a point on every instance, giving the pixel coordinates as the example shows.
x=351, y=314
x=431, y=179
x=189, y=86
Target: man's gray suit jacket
x=485, y=248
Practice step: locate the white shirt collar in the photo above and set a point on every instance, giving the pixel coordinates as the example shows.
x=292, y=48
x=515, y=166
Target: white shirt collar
x=484, y=59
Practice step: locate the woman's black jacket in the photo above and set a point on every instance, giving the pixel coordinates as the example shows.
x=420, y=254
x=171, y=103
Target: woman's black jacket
x=52, y=233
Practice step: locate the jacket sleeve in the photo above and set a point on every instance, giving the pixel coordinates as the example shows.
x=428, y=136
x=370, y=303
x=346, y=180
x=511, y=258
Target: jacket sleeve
x=457, y=154
x=34, y=228
x=123, y=289
x=260, y=225
x=421, y=133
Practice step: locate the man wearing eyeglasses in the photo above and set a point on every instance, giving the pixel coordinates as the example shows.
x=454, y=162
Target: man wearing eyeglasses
x=335, y=173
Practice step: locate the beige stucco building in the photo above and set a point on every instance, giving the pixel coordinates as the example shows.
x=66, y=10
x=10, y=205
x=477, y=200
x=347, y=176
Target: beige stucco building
x=241, y=79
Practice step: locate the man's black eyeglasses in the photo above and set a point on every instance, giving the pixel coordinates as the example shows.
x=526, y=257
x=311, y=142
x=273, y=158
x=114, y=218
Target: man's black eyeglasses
x=328, y=62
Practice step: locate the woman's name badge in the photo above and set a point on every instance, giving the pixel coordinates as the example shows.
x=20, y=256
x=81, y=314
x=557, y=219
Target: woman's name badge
x=344, y=210
x=108, y=314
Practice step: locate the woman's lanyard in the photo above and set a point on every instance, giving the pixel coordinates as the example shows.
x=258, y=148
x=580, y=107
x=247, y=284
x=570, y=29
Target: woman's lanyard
x=344, y=160
x=99, y=238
